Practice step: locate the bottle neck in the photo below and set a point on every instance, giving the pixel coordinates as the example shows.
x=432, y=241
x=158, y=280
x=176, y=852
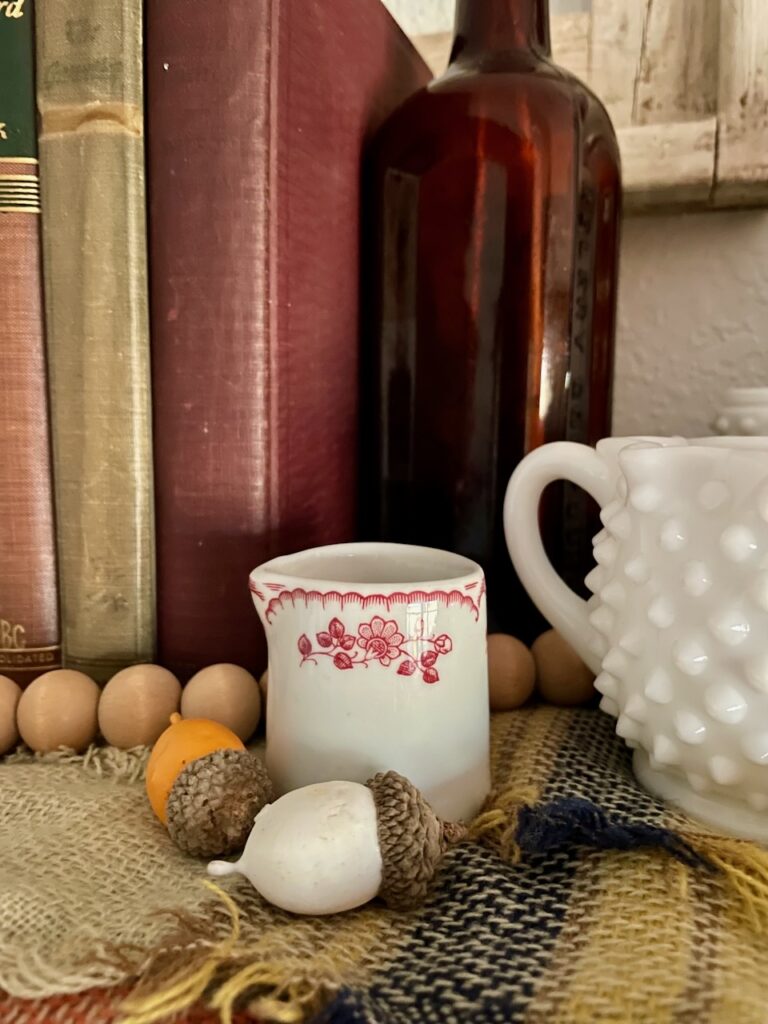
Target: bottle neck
x=497, y=26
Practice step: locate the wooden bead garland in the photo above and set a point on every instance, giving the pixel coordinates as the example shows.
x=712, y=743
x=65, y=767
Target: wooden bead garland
x=226, y=694
x=58, y=709
x=511, y=672
x=562, y=677
x=65, y=708
x=10, y=694
x=551, y=667
x=136, y=704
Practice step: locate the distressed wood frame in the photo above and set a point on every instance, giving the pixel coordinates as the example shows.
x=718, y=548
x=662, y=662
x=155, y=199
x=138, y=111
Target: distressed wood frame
x=686, y=83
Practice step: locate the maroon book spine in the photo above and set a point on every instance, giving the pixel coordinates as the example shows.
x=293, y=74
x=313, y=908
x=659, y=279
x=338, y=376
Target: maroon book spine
x=29, y=612
x=258, y=114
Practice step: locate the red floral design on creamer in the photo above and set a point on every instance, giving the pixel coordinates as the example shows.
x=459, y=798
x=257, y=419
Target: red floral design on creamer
x=380, y=640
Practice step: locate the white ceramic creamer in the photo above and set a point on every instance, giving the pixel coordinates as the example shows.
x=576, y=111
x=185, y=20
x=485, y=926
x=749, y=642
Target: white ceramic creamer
x=377, y=661
x=677, y=627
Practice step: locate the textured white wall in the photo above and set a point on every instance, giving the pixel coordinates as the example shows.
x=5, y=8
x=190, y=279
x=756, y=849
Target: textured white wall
x=693, y=302
x=425, y=16
x=693, y=318
x=420, y=17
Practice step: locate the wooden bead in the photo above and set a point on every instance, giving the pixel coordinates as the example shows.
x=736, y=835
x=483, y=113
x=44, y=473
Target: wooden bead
x=264, y=686
x=58, y=709
x=561, y=676
x=10, y=693
x=511, y=672
x=137, y=704
x=226, y=694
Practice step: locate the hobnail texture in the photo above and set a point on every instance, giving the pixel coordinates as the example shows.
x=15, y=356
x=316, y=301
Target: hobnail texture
x=677, y=624
x=681, y=611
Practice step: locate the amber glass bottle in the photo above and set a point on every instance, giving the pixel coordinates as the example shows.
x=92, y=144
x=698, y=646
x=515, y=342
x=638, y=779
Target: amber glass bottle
x=496, y=193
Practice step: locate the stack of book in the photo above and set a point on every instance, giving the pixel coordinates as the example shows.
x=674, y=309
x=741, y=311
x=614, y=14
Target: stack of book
x=178, y=320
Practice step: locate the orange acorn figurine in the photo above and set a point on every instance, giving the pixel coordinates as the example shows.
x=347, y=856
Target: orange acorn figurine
x=205, y=787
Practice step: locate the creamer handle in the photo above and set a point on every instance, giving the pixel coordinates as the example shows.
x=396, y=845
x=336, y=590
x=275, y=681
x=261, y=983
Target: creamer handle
x=580, y=465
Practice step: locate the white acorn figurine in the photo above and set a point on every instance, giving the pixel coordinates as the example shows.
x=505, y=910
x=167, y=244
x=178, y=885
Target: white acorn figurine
x=334, y=846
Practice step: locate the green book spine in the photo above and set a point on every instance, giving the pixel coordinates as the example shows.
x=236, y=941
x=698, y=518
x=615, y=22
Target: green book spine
x=29, y=617
x=18, y=136
x=89, y=95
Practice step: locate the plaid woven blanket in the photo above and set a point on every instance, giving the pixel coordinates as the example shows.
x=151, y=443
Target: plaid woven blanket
x=654, y=932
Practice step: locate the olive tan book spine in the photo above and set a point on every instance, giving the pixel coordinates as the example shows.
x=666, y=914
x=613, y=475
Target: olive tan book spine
x=89, y=89
x=29, y=615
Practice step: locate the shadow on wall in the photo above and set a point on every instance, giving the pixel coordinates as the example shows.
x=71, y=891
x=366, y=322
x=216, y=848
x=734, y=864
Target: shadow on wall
x=693, y=318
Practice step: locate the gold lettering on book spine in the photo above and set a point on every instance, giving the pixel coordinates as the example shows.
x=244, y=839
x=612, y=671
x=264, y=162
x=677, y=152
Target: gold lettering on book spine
x=12, y=8
x=14, y=653
x=30, y=659
x=13, y=637
x=19, y=193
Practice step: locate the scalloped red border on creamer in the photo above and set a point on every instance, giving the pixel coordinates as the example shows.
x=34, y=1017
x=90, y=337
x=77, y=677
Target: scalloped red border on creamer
x=444, y=597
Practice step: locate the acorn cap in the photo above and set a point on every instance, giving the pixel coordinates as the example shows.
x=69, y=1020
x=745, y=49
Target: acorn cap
x=214, y=800
x=412, y=840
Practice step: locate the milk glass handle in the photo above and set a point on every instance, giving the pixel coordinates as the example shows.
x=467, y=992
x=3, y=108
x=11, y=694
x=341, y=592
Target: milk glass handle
x=580, y=465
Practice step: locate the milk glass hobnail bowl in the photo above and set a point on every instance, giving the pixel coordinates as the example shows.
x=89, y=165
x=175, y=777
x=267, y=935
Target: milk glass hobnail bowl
x=743, y=412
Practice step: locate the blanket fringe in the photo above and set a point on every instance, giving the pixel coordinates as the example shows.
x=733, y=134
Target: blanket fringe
x=227, y=972
x=739, y=866
x=106, y=762
x=742, y=867
x=207, y=959
x=497, y=823
x=186, y=988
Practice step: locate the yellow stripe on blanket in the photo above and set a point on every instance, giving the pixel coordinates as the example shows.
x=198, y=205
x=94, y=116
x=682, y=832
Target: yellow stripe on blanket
x=636, y=932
